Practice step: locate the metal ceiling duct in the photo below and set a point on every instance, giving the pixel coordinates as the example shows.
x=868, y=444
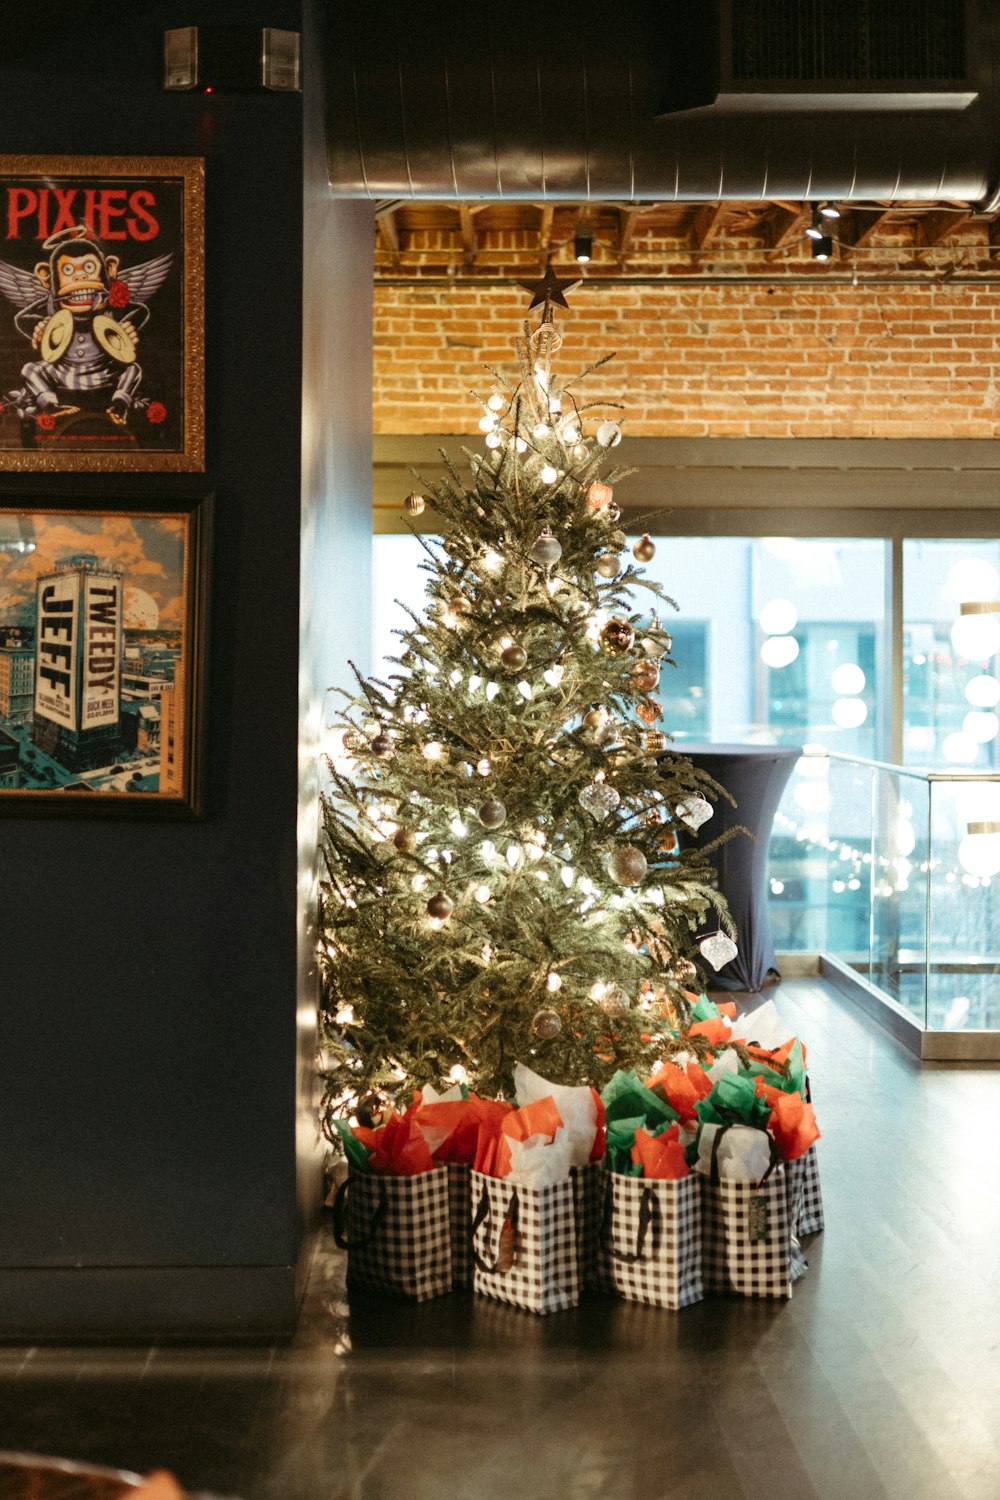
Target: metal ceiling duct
x=638, y=102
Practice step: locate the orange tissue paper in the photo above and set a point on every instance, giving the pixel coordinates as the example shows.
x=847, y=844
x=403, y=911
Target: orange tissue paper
x=660, y=1156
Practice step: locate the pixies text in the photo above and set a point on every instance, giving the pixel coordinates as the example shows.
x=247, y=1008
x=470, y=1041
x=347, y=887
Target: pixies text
x=109, y=213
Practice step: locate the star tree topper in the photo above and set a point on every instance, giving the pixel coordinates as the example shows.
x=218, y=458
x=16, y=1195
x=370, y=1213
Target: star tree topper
x=548, y=290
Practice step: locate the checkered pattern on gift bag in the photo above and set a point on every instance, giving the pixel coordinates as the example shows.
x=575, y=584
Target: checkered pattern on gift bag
x=746, y=1231
x=650, y=1246
x=396, y=1233
x=524, y=1243
x=811, y=1219
x=588, y=1205
x=795, y=1184
x=460, y=1217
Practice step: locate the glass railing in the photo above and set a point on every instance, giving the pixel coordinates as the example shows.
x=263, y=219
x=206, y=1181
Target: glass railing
x=896, y=873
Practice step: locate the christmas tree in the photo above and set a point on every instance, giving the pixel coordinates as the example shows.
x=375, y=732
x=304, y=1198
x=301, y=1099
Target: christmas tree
x=505, y=879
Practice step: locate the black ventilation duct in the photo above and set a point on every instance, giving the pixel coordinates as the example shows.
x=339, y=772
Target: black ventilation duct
x=653, y=100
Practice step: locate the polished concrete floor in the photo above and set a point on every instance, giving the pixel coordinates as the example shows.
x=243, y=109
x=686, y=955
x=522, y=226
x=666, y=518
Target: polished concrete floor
x=881, y=1377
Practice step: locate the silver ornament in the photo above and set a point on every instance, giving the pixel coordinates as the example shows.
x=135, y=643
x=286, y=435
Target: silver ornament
x=493, y=814
x=694, y=811
x=546, y=1024
x=615, y=1001
x=718, y=949
x=598, y=799
x=547, y=550
x=627, y=865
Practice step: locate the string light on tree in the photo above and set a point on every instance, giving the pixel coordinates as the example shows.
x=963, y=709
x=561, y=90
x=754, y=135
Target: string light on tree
x=493, y=886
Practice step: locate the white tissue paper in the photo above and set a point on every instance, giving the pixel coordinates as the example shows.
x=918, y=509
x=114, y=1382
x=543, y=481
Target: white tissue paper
x=537, y=1161
x=577, y=1108
x=726, y=1062
x=763, y=1026
x=744, y=1153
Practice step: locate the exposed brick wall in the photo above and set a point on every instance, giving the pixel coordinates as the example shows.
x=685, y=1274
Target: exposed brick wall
x=712, y=361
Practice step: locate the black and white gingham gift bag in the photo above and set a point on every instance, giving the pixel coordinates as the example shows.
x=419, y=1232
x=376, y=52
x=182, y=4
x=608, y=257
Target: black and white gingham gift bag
x=460, y=1218
x=811, y=1219
x=524, y=1243
x=747, y=1242
x=396, y=1233
x=650, y=1246
x=588, y=1206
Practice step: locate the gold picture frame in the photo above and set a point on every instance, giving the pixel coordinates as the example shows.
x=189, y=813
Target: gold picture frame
x=102, y=656
x=102, y=337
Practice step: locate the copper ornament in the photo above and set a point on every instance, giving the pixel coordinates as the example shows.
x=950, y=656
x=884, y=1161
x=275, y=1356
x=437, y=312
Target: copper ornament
x=617, y=637
x=599, y=495
x=405, y=840
x=646, y=675
x=648, y=710
x=440, y=906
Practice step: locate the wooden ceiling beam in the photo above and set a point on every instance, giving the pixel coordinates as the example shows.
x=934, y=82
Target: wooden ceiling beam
x=628, y=219
x=467, y=226
x=855, y=231
x=936, y=226
x=785, y=223
x=709, y=222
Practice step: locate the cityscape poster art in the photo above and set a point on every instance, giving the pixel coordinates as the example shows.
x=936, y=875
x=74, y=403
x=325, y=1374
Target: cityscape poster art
x=99, y=658
x=101, y=314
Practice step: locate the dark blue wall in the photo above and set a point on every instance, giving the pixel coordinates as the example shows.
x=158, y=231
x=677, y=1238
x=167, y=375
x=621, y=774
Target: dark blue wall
x=148, y=970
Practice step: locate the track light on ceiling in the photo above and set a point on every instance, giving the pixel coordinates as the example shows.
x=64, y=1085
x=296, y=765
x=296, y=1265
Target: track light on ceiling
x=815, y=230
x=583, y=245
x=829, y=210
x=822, y=247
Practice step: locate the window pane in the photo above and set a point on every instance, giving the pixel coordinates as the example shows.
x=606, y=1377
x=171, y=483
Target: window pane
x=951, y=686
x=778, y=640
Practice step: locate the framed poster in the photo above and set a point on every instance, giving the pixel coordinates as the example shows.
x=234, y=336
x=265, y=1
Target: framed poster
x=102, y=314
x=102, y=626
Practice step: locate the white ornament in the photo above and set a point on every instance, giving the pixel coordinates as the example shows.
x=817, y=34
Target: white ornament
x=598, y=799
x=694, y=811
x=718, y=949
x=609, y=434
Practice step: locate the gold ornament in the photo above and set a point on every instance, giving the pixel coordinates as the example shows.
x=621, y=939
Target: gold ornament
x=608, y=565
x=405, y=840
x=599, y=495
x=655, y=742
x=513, y=657
x=617, y=637
x=627, y=865
x=457, y=609
x=648, y=710
x=595, y=718
x=644, y=549
x=414, y=505
x=668, y=842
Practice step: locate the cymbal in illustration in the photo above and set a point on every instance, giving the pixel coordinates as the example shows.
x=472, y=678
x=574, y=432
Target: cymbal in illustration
x=58, y=332
x=112, y=340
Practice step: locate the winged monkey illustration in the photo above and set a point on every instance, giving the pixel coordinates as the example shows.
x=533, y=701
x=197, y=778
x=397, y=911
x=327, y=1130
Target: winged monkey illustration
x=82, y=314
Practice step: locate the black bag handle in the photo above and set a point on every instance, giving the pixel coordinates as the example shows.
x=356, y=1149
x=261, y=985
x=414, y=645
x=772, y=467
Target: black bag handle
x=649, y=1208
x=771, y=1142
x=340, y=1218
x=482, y=1214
